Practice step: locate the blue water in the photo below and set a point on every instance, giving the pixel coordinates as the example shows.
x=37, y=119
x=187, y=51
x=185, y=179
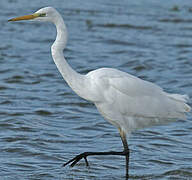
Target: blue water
x=43, y=123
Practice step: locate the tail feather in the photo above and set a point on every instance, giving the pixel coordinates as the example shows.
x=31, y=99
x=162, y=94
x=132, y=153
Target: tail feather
x=178, y=97
x=181, y=98
x=187, y=108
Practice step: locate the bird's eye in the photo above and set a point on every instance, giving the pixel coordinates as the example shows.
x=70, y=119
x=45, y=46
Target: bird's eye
x=42, y=15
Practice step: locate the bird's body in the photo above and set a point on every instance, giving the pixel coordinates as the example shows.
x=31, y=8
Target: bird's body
x=124, y=100
x=131, y=103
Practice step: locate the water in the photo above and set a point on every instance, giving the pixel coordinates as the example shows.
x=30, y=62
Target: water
x=43, y=123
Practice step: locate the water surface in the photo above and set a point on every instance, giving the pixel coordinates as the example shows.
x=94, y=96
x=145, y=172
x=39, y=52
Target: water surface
x=43, y=123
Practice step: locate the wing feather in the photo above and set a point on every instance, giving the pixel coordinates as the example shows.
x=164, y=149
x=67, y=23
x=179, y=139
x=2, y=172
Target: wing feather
x=129, y=102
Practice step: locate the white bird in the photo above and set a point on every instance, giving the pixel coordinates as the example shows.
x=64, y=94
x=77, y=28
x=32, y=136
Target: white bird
x=124, y=100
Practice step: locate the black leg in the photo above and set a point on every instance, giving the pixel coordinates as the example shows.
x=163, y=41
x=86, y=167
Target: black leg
x=86, y=154
x=126, y=150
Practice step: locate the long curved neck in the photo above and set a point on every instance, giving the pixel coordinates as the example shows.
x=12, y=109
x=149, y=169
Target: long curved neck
x=74, y=79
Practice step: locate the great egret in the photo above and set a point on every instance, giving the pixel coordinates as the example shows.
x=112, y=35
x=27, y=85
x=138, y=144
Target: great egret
x=124, y=100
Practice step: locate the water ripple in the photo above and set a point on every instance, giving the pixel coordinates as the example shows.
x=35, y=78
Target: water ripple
x=124, y=26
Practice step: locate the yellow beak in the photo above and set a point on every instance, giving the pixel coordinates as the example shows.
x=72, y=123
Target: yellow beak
x=26, y=17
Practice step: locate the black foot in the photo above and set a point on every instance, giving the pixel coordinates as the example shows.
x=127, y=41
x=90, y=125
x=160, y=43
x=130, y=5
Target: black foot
x=77, y=159
x=85, y=154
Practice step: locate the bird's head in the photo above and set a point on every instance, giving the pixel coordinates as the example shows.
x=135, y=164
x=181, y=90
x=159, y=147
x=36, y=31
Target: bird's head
x=45, y=14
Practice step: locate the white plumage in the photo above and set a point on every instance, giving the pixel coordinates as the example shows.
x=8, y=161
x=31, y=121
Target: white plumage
x=131, y=103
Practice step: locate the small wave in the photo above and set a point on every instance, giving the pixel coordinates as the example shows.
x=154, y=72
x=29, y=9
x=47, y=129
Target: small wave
x=3, y=88
x=43, y=112
x=175, y=20
x=119, y=42
x=6, y=102
x=179, y=173
x=125, y=26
